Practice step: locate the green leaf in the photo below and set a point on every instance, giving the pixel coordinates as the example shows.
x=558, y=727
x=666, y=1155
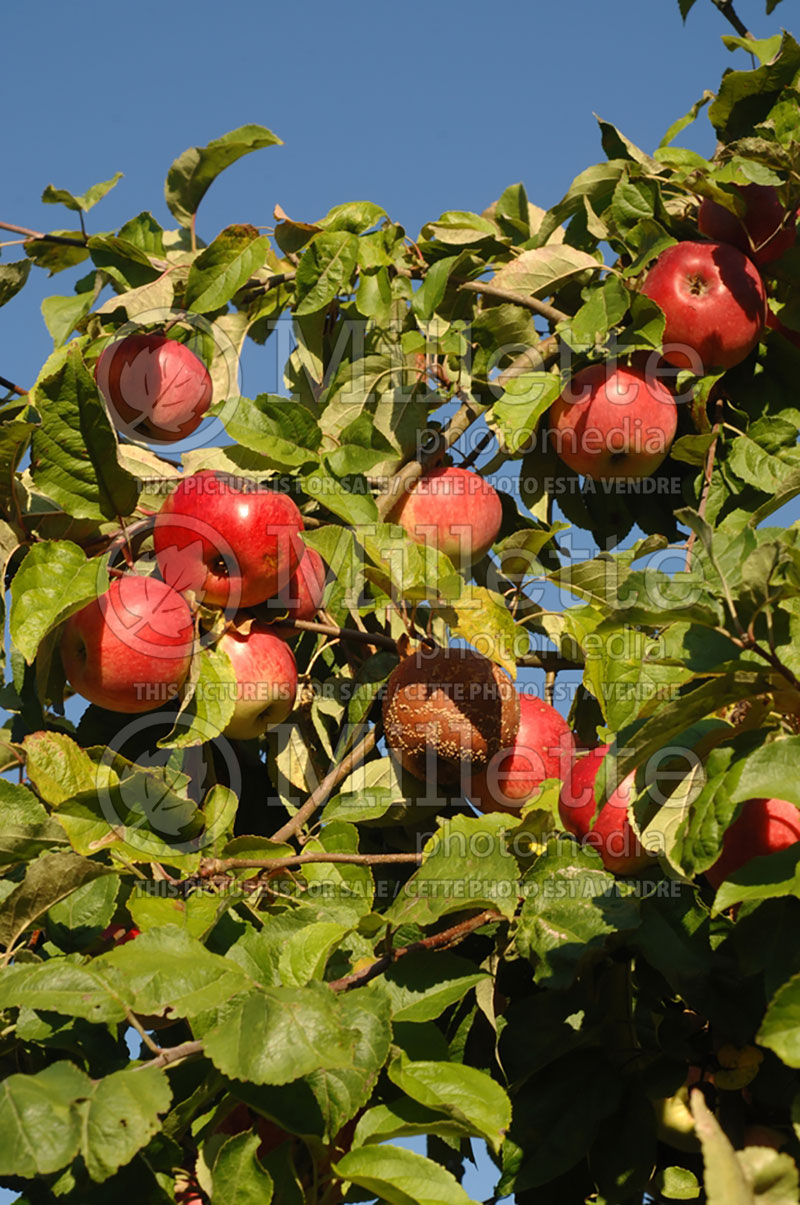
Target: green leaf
x=12, y=278
x=677, y=1183
x=596, y=184
x=62, y=314
x=341, y=1091
x=421, y=986
x=282, y=431
x=85, y=912
x=57, y=766
x=74, y=454
x=55, y=579
x=192, y=173
x=780, y=1028
x=40, y=1120
x=771, y=772
x=57, y=256
x=208, y=703
x=80, y=202
x=571, y=905
x=466, y=1094
x=167, y=972
x=63, y=987
x=401, y=1177
x=237, y=1177
x=126, y=263
x=746, y=97
x=481, y=617
x=725, y=1181
x=459, y=228
x=428, y=296
x=759, y=468
x=516, y=413
x=27, y=830
x=355, y=216
x=221, y=270
x=540, y=270
x=355, y=506
x=467, y=865
x=305, y=954
x=277, y=1034
x=325, y=270
x=47, y=880
x=120, y=1117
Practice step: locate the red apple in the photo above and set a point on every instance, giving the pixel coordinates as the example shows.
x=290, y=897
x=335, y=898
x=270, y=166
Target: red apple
x=241, y=1119
x=762, y=827
x=266, y=680
x=232, y=541
x=613, y=422
x=764, y=231
x=774, y=324
x=119, y=934
x=544, y=748
x=611, y=834
x=453, y=510
x=130, y=649
x=301, y=598
x=713, y=301
x=155, y=387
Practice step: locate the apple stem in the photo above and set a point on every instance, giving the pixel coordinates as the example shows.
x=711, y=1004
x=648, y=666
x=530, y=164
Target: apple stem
x=709, y=471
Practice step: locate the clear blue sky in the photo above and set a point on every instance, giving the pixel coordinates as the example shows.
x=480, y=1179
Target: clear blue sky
x=420, y=107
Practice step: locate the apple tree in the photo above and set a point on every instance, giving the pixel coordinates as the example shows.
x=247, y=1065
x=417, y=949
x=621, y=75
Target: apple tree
x=299, y=859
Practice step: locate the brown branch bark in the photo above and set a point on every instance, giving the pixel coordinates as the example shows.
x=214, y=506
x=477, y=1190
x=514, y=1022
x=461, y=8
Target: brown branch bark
x=216, y=866
x=320, y=796
x=331, y=629
x=732, y=17
x=437, y=941
x=549, y=662
x=173, y=1054
x=701, y=510
x=47, y=238
x=529, y=303
x=6, y=384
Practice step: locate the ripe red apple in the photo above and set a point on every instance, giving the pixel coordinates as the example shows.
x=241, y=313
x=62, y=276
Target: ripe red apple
x=764, y=231
x=762, y=827
x=155, y=387
x=119, y=934
x=544, y=748
x=611, y=834
x=452, y=510
x=447, y=709
x=232, y=541
x=774, y=324
x=613, y=422
x=301, y=598
x=130, y=649
x=714, y=303
x=266, y=680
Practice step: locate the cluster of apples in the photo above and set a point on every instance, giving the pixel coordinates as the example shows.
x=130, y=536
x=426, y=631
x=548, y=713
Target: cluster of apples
x=620, y=422
x=452, y=716
x=222, y=542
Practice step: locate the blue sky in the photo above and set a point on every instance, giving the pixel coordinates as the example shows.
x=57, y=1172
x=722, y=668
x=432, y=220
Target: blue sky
x=421, y=108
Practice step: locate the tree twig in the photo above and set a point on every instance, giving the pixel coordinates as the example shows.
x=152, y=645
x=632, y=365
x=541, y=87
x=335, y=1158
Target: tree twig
x=437, y=941
x=173, y=1054
x=331, y=629
x=45, y=238
x=732, y=17
x=709, y=472
x=216, y=866
x=320, y=796
x=6, y=384
x=529, y=303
